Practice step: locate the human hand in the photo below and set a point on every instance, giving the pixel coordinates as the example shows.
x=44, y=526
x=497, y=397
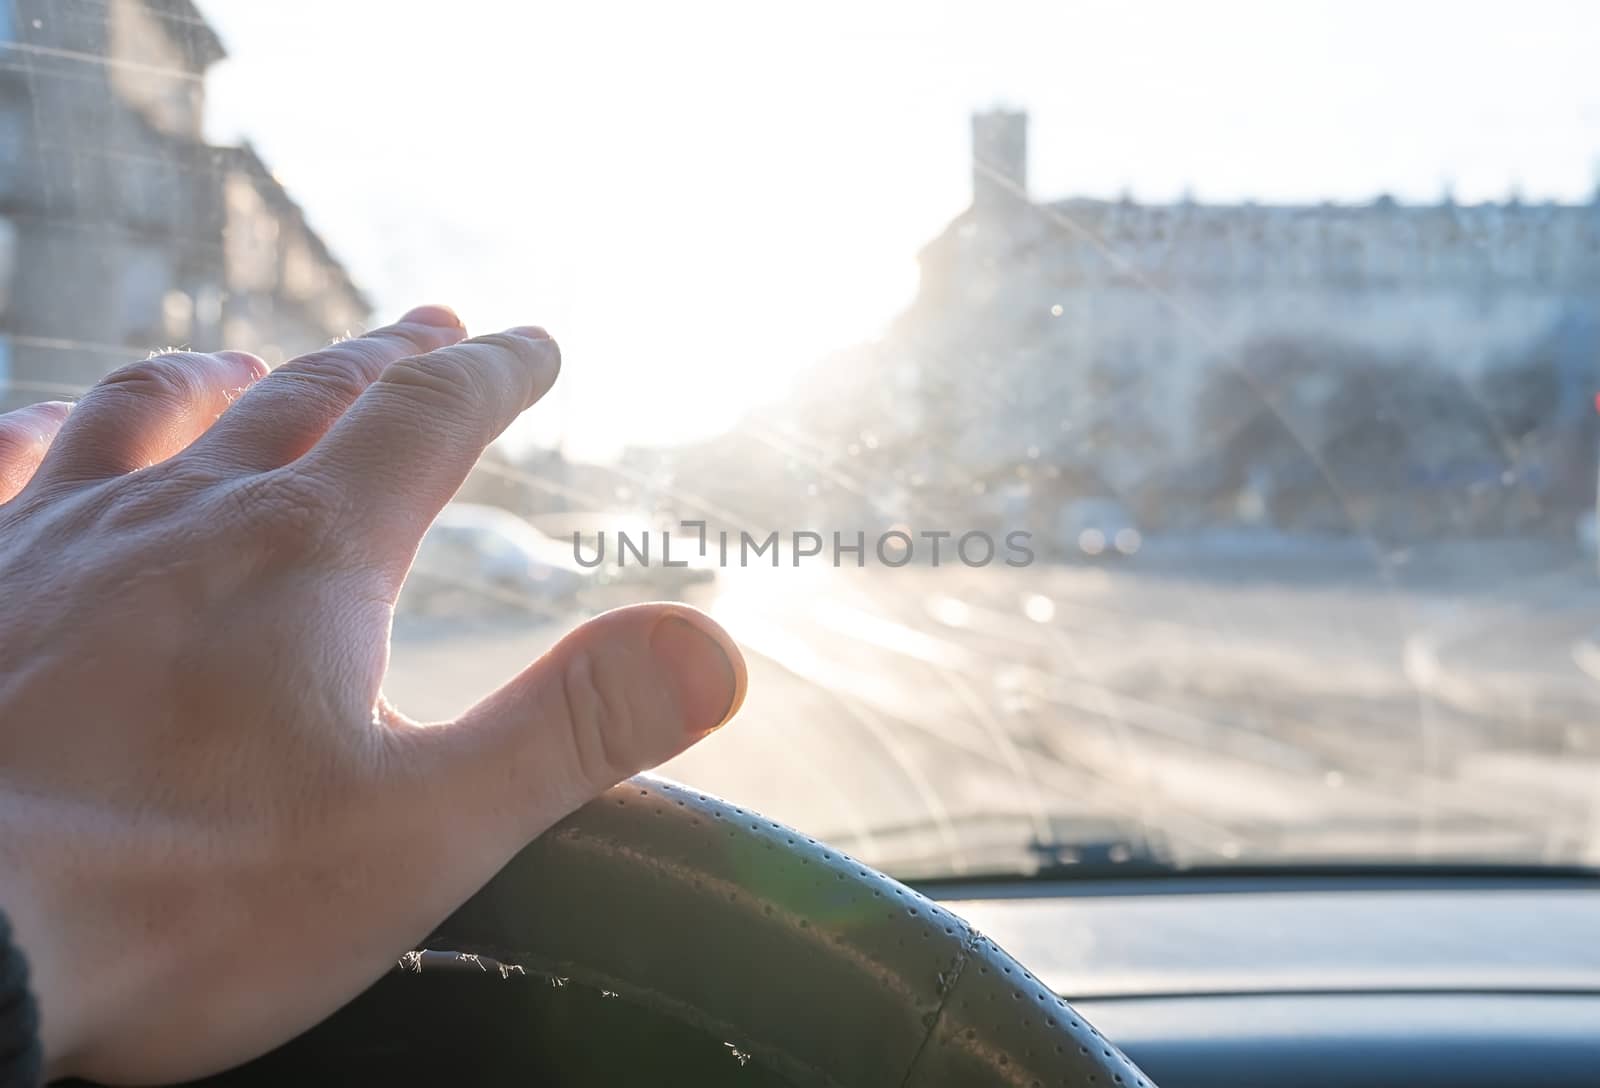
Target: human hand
x=213, y=829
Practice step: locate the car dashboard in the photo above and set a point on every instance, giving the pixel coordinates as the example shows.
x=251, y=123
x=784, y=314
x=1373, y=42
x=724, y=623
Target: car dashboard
x=1320, y=982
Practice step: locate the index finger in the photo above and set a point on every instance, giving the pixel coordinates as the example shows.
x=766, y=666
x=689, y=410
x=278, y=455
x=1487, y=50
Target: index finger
x=406, y=445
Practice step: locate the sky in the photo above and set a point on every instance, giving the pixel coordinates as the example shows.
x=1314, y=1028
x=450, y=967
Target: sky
x=700, y=198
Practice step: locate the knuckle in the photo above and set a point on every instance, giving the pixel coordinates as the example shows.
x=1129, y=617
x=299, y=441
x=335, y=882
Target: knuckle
x=513, y=343
x=368, y=355
x=519, y=352
x=599, y=719
x=287, y=511
x=327, y=385
x=443, y=380
x=410, y=339
x=20, y=435
x=172, y=378
x=178, y=477
x=349, y=366
x=161, y=494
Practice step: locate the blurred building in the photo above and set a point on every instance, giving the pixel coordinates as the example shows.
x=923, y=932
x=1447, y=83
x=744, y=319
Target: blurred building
x=121, y=229
x=1138, y=340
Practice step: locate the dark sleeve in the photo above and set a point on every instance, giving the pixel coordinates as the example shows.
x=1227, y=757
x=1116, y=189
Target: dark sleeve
x=20, y=1059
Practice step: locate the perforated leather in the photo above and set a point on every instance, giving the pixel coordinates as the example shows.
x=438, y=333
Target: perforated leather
x=823, y=968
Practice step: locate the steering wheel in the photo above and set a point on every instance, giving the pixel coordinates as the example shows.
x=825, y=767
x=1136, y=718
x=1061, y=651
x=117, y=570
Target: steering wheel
x=827, y=970
x=824, y=970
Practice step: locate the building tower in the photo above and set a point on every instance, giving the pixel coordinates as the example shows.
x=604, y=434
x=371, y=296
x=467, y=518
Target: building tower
x=999, y=160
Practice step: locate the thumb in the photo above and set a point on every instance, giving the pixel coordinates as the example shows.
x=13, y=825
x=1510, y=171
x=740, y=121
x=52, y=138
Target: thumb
x=624, y=692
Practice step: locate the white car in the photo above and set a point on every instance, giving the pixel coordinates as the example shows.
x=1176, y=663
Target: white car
x=486, y=559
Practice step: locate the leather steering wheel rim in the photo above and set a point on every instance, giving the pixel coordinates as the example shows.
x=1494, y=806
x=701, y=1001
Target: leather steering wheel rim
x=825, y=969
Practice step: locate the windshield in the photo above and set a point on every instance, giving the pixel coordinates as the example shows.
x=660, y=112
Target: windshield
x=1116, y=434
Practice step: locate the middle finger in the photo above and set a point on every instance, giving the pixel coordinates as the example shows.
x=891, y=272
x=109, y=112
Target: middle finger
x=288, y=411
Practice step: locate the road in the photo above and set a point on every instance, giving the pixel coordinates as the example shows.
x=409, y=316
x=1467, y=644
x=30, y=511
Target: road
x=1212, y=704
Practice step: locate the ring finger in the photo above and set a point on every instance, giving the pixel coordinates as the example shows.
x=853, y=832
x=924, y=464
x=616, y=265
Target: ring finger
x=24, y=436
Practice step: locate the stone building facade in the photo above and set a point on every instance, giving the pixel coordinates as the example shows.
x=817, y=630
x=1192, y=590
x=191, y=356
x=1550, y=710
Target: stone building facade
x=1138, y=342
x=121, y=229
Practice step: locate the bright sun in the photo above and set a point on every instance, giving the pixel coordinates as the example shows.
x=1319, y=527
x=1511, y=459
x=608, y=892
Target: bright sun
x=709, y=312
x=695, y=223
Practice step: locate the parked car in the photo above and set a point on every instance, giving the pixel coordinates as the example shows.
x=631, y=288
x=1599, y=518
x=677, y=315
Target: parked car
x=478, y=558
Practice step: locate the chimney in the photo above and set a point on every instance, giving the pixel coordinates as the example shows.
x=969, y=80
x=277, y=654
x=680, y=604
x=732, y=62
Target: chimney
x=999, y=160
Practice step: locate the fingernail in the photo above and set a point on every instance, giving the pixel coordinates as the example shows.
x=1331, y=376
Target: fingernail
x=699, y=670
x=440, y=317
x=534, y=332
x=256, y=365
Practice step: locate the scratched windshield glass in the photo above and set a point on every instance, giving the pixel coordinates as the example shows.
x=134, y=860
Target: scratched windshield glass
x=1117, y=434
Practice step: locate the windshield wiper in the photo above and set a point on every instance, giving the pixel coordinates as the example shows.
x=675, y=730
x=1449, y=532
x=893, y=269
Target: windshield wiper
x=1009, y=845
x=1110, y=857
